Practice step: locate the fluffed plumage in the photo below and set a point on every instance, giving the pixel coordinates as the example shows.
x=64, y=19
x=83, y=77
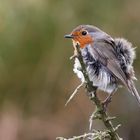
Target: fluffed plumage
x=108, y=61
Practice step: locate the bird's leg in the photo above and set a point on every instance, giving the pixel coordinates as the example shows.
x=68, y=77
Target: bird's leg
x=108, y=100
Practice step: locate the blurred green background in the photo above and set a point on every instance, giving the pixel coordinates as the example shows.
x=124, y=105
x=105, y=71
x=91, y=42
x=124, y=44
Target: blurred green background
x=36, y=76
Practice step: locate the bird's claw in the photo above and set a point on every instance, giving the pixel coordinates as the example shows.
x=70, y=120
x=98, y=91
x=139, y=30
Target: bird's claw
x=106, y=102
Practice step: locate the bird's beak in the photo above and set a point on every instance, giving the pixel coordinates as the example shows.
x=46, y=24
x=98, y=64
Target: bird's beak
x=68, y=36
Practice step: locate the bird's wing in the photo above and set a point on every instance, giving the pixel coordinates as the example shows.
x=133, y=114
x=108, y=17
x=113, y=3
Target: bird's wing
x=104, y=50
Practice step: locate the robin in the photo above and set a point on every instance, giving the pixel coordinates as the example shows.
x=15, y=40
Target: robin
x=108, y=60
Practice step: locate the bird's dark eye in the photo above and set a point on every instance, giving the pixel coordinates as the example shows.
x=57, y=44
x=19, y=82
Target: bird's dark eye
x=84, y=32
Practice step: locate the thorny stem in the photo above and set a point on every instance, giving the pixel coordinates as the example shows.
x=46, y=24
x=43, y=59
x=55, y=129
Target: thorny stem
x=93, y=97
x=88, y=136
x=100, y=112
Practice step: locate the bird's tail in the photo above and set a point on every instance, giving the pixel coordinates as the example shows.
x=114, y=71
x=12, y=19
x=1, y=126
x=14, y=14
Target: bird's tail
x=127, y=54
x=133, y=90
x=125, y=49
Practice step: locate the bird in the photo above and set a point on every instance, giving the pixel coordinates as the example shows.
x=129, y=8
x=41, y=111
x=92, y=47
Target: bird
x=108, y=60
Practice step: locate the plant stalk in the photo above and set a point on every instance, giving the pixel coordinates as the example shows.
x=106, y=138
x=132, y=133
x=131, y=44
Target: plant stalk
x=93, y=97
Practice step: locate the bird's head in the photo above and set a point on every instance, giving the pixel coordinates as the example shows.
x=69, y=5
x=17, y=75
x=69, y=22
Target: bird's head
x=83, y=35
